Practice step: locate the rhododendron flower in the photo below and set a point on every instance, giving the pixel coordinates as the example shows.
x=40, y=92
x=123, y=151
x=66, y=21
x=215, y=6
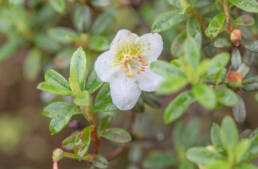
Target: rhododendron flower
x=126, y=66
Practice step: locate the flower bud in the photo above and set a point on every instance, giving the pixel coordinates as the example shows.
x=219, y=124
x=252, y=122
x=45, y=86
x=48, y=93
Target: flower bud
x=236, y=36
x=58, y=154
x=234, y=78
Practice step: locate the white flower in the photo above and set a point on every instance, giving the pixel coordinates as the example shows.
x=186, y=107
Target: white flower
x=126, y=66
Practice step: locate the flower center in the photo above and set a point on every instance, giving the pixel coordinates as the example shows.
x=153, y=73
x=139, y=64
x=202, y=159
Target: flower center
x=133, y=65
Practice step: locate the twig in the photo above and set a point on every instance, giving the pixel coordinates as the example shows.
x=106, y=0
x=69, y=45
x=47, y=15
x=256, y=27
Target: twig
x=226, y=10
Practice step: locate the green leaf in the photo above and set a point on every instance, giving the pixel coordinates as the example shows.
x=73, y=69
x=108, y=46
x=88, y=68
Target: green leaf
x=60, y=114
x=219, y=165
x=159, y=160
x=101, y=3
x=201, y=3
x=52, y=76
x=166, y=69
x=239, y=110
x=74, y=83
x=194, y=30
x=9, y=47
x=243, y=70
x=246, y=166
x=84, y=99
x=98, y=43
x=78, y=65
x=105, y=123
x=54, y=88
x=251, y=87
x=61, y=34
x=151, y=100
x=205, y=95
x=178, y=106
x=215, y=26
x=47, y=43
x=82, y=142
x=190, y=133
x=16, y=2
x=103, y=21
x=244, y=20
x=236, y=59
x=226, y=96
x=215, y=135
x=222, y=43
x=200, y=155
x=253, y=149
x=252, y=45
x=82, y=17
x=58, y=5
x=68, y=142
x=103, y=101
x=218, y=63
x=167, y=20
x=192, y=52
x=229, y=133
x=250, y=80
x=248, y=6
x=93, y=82
x=241, y=149
x=32, y=64
x=117, y=135
x=171, y=85
x=100, y=161
x=177, y=47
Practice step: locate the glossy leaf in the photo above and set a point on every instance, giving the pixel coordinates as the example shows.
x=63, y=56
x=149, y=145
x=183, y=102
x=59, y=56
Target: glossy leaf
x=54, y=88
x=248, y=6
x=178, y=106
x=167, y=20
x=68, y=142
x=117, y=135
x=201, y=155
x=204, y=95
x=82, y=142
x=54, y=77
x=60, y=114
x=229, y=133
x=215, y=26
x=226, y=96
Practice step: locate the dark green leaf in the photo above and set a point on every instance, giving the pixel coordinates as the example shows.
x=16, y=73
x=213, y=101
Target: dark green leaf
x=93, y=82
x=222, y=43
x=190, y=133
x=151, y=100
x=9, y=47
x=250, y=80
x=226, y=96
x=239, y=111
x=68, y=142
x=201, y=155
x=244, y=20
x=166, y=20
x=205, y=95
x=117, y=135
x=252, y=45
x=236, y=59
x=159, y=160
x=248, y=6
x=194, y=30
x=32, y=64
x=177, y=47
x=215, y=26
x=82, y=142
x=47, y=43
x=178, y=106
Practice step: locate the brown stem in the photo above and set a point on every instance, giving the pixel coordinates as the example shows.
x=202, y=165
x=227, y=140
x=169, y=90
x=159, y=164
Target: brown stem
x=120, y=149
x=94, y=130
x=226, y=10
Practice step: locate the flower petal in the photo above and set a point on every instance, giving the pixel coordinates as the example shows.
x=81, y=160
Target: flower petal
x=148, y=81
x=152, y=44
x=124, y=91
x=104, y=66
x=122, y=37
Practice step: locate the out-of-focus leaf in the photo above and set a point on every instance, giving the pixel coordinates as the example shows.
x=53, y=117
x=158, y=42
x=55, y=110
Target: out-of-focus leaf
x=105, y=123
x=103, y=101
x=205, y=95
x=226, y=96
x=60, y=114
x=98, y=43
x=166, y=69
x=61, y=34
x=194, y=30
x=248, y=6
x=82, y=142
x=236, y=59
x=190, y=133
x=58, y=5
x=222, y=43
x=177, y=47
x=117, y=135
x=171, y=85
x=215, y=26
x=100, y=162
x=16, y=2
x=215, y=135
x=228, y=133
x=239, y=110
x=103, y=21
x=82, y=17
x=246, y=166
x=93, y=82
x=217, y=63
x=100, y=3
x=243, y=70
x=250, y=80
x=9, y=47
x=200, y=155
x=178, y=106
x=166, y=20
x=47, y=43
x=241, y=149
x=151, y=100
x=62, y=58
x=252, y=45
x=32, y=64
x=219, y=165
x=192, y=52
x=244, y=20
x=84, y=99
x=159, y=160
